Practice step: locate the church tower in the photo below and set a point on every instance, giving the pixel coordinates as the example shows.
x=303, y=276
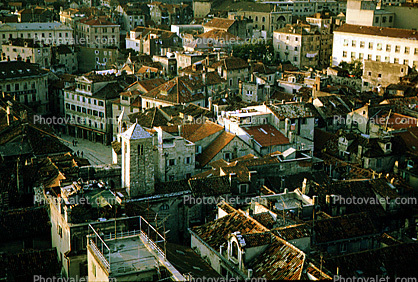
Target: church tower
x=137, y=161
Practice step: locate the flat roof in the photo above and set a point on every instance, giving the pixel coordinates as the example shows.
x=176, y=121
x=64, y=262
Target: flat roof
x=129, y=254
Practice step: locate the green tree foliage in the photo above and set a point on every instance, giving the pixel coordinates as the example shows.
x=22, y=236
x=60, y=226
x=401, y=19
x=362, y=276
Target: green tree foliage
x=354, y=68
x=259, y=51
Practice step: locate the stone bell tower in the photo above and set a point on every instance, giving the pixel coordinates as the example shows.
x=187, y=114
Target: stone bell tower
x=137, y=161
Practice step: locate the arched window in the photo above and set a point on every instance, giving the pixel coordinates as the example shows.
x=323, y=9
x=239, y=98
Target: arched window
x=234, y=251
x=263, y=19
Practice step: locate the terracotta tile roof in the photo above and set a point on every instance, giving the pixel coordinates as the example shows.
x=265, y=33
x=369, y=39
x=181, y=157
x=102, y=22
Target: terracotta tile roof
x=35, y=221
x=266, y=135
x=226, y=207
x=265, y=219
x=23, y=266
x=317, y=273
x=293, y=232
x=218, y=34
x=257, y=239
x=343, y=227
x=280, y=261
x=149, y=118
x=150, y=84
x=96, y=22
x=207, y=129
x=395, y=121
x=213, y=186
x=410, y=139
x=178, y=90
x=393, y=261
x=220, y=23
x=214, y=148
x=215, y=233
x=186, y=129
x=379, y=31
x=231, y=63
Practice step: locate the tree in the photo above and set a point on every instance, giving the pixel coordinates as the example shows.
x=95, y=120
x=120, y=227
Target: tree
x=259, y=52
x=354, y=68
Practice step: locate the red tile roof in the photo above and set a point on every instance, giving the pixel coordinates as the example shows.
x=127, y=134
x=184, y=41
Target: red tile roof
x=220, y=23
x=214, y=148
x=266, y=135
x=207, y=129
x=379, y=31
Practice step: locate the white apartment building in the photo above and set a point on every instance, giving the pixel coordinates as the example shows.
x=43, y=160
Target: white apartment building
x=366, y=12
x=391, y=45
x=48, y=33
x=88, y=105
x=299, y=43
x=97, y=33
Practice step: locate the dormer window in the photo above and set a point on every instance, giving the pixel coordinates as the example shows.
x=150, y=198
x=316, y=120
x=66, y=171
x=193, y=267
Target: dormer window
x=388, y=146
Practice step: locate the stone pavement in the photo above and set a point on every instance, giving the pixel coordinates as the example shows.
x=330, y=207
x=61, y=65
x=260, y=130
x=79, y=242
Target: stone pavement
x=96, y=153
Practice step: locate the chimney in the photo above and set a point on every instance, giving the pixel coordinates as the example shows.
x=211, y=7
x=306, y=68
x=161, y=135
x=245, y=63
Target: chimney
x=305, y=186
x=9, y=115
x=286, y=127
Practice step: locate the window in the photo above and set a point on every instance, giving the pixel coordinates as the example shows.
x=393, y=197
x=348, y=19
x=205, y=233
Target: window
x=360, y=56
x=384, y=19
x=378, y=58
x=379, y=46
x=379, y=75
x=370, y=45
x=243, y=188
x=397, y=49
x=376, y=20
x=89, y=111
x=263, y=19
x=344, y=54
x=343, y=247
x=387, y=59
x=101, y=114
x=164, y=207
x=59, y=230
x=388, y=146
x=369, y=57
x=345, y=42
x=388, y=48
x=296, y=48
x=171, y=162
x=234, y=250
x=390, y=19
x=416, y=51
x=187, y=160
x=101, y=103
x=295, y=59
x=227, y=156
x=361, y=44
x=369, y=73
x=396, y=61
x=406, y=50
x=78, y=109
x=406, y=62
x=353, y=55
x=353, y=43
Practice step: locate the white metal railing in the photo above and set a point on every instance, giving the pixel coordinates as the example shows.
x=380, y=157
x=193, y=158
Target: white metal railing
x=153, y=245
x=99, y=254
x=120, y=234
